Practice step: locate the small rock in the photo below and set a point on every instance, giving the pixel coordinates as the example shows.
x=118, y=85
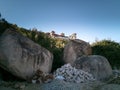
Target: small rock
x=59, y=77
x=22, y=86
x=34, y=81
x=16, y=86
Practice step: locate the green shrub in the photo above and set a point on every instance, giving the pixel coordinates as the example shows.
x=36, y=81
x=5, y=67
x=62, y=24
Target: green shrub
x=109, y=49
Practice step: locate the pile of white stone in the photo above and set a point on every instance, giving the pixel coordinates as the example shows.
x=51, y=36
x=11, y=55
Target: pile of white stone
x=71, y=74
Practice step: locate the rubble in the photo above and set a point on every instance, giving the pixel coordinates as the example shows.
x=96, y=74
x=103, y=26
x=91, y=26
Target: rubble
x=71, y=74
x=41, y=77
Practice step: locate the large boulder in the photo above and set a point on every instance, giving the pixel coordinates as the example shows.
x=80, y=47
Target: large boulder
x=97, y=65
x=21, y=56
x=75, y=49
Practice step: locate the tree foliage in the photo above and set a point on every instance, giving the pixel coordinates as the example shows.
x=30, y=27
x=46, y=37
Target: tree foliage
x=3, y=25
x=110, y=49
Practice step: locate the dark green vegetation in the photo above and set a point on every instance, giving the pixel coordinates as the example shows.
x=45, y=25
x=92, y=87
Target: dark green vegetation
x=110, y=49
x=3, y=25
x=53, y=45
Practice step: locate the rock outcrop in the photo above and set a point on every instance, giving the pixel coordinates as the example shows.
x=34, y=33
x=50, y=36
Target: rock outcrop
x=21, y=56
x=97, y=65
x=71, y=74
x=75, y=49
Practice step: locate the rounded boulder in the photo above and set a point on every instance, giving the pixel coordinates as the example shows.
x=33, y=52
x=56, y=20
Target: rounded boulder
x=97, y=65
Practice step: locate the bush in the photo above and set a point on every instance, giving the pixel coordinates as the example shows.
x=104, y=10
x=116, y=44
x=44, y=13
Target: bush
x=109, y=49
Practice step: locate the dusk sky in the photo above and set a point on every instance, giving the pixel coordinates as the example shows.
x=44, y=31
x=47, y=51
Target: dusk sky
x=90, y=19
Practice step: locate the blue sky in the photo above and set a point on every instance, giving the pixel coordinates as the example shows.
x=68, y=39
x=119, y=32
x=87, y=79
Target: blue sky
x=90, y=19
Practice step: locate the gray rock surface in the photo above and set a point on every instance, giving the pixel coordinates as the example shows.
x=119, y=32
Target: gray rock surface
x=60, y=85
x=97, y=65
x=109, y=87
x=21, y=56
x=75, y=49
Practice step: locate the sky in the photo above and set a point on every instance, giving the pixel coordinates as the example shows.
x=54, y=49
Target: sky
x=90, y=19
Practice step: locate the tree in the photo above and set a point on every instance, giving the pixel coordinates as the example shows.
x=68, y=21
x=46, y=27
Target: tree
x=0, y=16
x=53, y=32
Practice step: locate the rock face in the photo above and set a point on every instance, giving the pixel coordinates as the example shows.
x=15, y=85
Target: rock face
x=71, y=74
x=21, y=56
x=97, y=65
x=74, y=49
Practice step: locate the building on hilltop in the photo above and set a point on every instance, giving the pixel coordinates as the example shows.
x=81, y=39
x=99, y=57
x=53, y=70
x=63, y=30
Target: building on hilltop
x=62, y=35
x=73, y=36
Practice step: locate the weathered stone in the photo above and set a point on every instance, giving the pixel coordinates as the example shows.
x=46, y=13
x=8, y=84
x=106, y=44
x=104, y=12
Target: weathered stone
x=71, y=74
x=97, y=65
x=75, y=49
x=21, y=56
x=62, y=85
x=110, y=87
